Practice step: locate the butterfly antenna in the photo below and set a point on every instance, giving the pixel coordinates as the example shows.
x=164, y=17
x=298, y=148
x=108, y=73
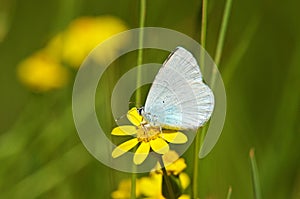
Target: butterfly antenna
x=121, y=117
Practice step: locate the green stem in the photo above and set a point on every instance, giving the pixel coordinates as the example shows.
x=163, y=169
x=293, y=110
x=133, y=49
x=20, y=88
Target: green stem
x=203, y=31
x=140, y=51
x=199, y=140
x=133, y=186
x=255, y=176
x=221, y=38
x=200, y=133
x=138, y=81
x=222, y=32
x=167, y=180
x=204, y=23
x=195, y=168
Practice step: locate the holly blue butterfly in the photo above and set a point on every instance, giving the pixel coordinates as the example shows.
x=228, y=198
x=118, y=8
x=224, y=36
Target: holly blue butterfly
x=178, y=98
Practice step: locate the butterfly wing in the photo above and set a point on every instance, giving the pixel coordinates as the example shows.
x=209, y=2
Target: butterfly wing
x=178, y=98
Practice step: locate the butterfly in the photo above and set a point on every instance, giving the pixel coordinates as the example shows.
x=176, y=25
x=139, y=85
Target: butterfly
x=178, y=98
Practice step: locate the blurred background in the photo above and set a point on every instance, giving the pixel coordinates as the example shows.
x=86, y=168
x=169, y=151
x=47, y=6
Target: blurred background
x=42, y=44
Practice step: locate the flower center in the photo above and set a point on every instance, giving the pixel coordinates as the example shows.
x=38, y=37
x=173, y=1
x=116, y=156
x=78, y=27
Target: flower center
x=146, y=132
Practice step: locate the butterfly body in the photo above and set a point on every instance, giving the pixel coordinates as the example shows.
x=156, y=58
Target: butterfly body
x=178, y=97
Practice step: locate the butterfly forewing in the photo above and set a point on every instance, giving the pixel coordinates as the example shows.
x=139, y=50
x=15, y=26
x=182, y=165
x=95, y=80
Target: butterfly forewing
x=178, y=98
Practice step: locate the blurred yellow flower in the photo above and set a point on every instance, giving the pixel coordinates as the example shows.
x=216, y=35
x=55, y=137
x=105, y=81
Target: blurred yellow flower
x=149, y=187
x=148, y=137
x=41, y=73
x=84, y=34
x=174, y=165
x=124, y=190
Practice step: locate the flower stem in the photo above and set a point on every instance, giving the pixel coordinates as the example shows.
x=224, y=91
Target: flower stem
x=133, y=186
x=140, y=50
x=167, y=180
x=198, y=143
x=200, y=133
x=138, y=80
x=203, y=23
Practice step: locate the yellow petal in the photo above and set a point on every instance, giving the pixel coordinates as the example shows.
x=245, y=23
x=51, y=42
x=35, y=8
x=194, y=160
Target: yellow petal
x=175, y=137
x=170, y=157
x=124, y=147
x=124, y=130
x=123, y=191
x=134, y=117
x=120, y=194
x=141, y=153
x=176, y=167
x=150, y=186
x=184, y=180
x=159, y=146
x=184, y=196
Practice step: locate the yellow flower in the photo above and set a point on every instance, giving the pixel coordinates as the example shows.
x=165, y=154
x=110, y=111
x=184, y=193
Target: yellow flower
x=174, y=165
x=147, y=138
x=84, y=34
x=149, y=187
x=124, y=190
x=42, y=73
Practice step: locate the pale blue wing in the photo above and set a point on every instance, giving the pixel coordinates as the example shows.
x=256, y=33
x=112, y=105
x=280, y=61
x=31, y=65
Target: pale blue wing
x=178, y=98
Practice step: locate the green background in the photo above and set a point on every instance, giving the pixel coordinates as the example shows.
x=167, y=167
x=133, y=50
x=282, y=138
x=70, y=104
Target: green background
x=41, y=155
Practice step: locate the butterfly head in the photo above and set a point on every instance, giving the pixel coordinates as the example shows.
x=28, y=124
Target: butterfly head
x=141, y=111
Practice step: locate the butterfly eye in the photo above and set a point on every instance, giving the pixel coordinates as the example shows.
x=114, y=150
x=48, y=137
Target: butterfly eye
x=140, y=110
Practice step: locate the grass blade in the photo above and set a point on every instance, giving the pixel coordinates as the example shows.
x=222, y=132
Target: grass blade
x=221, y=38
x=222, y=32
x=255, y=176
x=229, y=193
